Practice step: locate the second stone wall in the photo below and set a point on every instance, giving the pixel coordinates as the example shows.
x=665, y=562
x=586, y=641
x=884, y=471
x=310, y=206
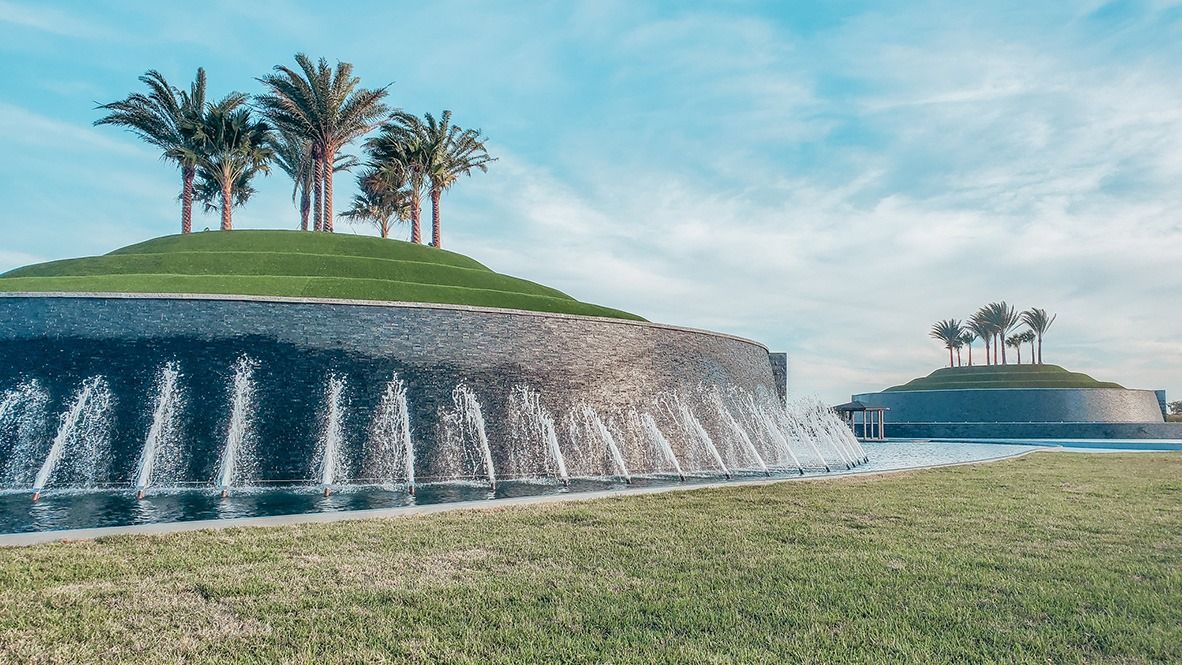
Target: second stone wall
x=1034, y=405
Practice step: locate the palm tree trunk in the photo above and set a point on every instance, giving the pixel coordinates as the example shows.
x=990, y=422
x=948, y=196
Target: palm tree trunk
x=305, y=208
x=435, y=194
x=227, y=198
x=950, y=356
x=187, y=174
x=317, y=192
x=994, y=348
x=970, y=355
x=958, y=357
x=1019, y=348
x=329, y=160
x=416, y=229
x=1040, y=349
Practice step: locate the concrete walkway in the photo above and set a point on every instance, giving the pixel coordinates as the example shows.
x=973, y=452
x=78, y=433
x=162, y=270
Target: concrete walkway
x=161, y=528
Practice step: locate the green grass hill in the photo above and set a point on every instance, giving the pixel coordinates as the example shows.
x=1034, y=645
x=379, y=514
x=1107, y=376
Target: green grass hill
x=297, y=264
x=1003, y=376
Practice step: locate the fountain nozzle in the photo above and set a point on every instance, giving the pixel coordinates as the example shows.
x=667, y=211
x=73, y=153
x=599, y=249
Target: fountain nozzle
x=327, y=490
x=36, y=495
x=225, y=492
x=139, y=494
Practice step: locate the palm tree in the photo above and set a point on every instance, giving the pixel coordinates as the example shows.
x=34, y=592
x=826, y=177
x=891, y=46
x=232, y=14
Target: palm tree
x=967, y=337
x=401, y=145
x=383, y=199
x=1002, y=319
x=1015, y=341
x=157, y=117
x=1028, y=336
x=229, y=147
x=293, y=154
x=453, y=152
x=948, y=332
x=979, y=324
x=1039, y=322
x=329, y=109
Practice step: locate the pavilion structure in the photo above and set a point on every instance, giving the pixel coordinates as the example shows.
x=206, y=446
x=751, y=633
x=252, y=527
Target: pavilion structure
x=873, y=419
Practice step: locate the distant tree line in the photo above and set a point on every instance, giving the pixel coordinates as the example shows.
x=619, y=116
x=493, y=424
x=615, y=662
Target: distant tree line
x=300, y=123
x=996, y=325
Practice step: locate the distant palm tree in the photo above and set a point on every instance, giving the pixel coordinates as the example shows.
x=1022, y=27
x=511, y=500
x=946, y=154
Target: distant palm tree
x=229, y=147
x=979, y=324
x=1039, y=322
x=948, y=332
x=401, y=146
x=1028, y=337
x=453, y=152
x=1015, y=341
x=157, y=117
x=1002, y=319
x=383, y=200
x=326, y=107
x=293, y=154
x=967, y=337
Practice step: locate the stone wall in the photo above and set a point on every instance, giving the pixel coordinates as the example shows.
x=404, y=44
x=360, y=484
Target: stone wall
x=613, y=366
x=1066, y=431
x=1028, y=405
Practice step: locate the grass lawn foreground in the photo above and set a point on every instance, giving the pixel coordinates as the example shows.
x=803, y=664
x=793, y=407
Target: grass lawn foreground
x=1053, y=557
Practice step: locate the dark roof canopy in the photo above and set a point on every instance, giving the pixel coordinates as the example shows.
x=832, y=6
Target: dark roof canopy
x=857, y=406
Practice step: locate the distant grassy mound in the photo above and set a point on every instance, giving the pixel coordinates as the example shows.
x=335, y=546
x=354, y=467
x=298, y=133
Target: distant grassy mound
x=297, y=264
x=1003, y=376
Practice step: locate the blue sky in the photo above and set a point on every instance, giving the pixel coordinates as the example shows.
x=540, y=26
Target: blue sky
x=826, y=178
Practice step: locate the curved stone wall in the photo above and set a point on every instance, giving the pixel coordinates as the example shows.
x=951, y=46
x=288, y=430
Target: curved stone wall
x=611, y=366
x=1028, y=405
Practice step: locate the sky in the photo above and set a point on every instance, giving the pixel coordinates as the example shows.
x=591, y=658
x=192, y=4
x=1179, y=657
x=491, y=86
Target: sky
x=826, y=178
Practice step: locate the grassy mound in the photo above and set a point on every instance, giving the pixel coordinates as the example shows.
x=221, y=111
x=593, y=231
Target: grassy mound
x=1003, y=376
x=297, y=264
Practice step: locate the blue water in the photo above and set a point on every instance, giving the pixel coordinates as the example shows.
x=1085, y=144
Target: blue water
x=80, y=510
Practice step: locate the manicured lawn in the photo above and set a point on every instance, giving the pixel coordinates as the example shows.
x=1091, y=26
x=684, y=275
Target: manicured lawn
x=295, y=264
x=1049, y=558
x=1003, y=376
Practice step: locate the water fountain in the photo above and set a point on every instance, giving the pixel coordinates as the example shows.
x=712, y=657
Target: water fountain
x=390, y=446
x=588, y=431
x=535, y=449
x=330, y=441
x=163, y=432
x=692, y=429
x=734, y=430
x=649, y=424
x=22, y=420
x=83, y=430
x=466, y=447
x=759, y=436
x=238, y=429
